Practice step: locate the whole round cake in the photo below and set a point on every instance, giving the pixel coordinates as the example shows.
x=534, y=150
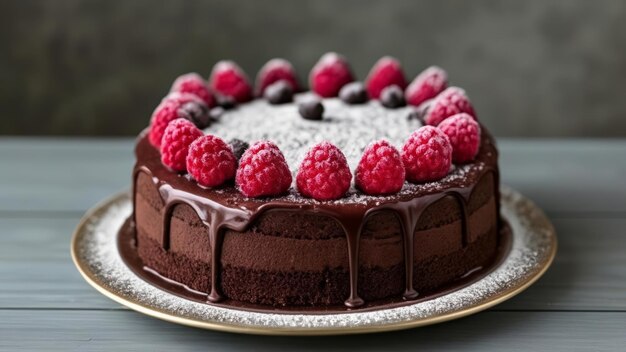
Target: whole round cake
x=348, y=195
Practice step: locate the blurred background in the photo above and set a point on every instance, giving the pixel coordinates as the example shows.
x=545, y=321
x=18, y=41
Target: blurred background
x=98, y=68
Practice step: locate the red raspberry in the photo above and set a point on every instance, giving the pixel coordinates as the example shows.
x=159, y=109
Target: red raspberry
x=427, y=155
x=426, y=85
x=168, y=110
x=274, y=71
x=380, y=170
x=177, y=137
x=229, y=80
x=193, y=83
x=263, y=171
x=211, y=161
x=464, y=134
x=324, y=173
x=182, y=98
x=386, y=72
x=450, y=102
x=329, y=74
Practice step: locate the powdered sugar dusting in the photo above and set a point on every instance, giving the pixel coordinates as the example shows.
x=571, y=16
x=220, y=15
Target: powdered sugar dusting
x=96, y=253
x=349, y=127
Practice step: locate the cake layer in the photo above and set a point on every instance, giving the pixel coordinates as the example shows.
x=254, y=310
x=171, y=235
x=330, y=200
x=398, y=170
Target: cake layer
x=290, y=258
x=291, y=250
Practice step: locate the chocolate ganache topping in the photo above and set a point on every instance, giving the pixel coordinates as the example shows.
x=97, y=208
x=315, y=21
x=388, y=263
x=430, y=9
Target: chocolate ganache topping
x=350, y=128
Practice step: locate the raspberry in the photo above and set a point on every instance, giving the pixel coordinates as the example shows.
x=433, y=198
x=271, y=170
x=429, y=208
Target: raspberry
x=169, y=109
x=193, y=83
x=273, y=71
x=177, y=137
x=426, y=85
x=450, y=102
x=211, y=161
x=263, y=171
x=324, y=173
x=464, y=134
x=329, y=74
x=181, y=98
x=386, y=72
x=229, y=80
x=427, y=155
x=380, y=170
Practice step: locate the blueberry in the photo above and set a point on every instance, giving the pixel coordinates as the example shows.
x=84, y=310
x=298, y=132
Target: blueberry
x=225, y=101
x=311, y=109
x=196, y=112
x=279, y=92
x=353, y=93
x=392, y=97
x=239, y=147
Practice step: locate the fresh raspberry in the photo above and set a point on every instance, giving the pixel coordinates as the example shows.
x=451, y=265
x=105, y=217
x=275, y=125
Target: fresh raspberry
x=229, y=80
x=450, y=102
x=169, y=109
x=380, y=170
x=273, y=71
x=211, y=161
x=177, y=137
x=324, y=173
x=263, y=171
x=193, y=83
x=426, y=85
x=329, y=74
x=427, y=155
x=386, y=72
x=464, y=134
x=182, y=98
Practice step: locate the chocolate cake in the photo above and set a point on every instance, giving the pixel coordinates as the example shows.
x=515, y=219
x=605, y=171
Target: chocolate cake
x=276, y=225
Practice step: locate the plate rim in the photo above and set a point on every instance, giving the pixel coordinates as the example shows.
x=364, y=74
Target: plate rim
x=156, y=312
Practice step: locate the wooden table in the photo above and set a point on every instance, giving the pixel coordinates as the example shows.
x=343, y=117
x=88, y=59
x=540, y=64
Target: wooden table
x=580, y=304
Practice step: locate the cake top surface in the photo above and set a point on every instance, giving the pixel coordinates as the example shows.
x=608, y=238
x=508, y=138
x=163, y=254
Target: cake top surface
x=350, y=127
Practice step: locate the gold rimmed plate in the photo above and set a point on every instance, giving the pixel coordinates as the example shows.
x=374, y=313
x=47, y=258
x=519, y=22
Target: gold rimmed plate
x=95, y=253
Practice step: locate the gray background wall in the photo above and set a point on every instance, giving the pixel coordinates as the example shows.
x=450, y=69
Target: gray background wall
x=532, y=68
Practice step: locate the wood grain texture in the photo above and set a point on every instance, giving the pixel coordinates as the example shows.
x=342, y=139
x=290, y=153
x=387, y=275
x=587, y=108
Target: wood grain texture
x=490, y=331
x=580, y=304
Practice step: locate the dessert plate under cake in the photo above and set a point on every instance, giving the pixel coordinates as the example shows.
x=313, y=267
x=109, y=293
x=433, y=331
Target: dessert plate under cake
x=96, y=254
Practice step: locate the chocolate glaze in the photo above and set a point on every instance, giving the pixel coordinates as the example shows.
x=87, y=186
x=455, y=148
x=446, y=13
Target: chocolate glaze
x=128, y=250
x=224, y=208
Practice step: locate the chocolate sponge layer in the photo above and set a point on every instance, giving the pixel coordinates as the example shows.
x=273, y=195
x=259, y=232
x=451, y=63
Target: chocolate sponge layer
x=290, y=258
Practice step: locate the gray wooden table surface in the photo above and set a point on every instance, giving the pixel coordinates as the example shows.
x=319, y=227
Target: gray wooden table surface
x=580, y=304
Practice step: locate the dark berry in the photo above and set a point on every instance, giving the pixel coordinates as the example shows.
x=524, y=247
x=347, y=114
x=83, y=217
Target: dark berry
x=196, y=113
x=279, y=92
x=419, y=112
x=226, y=102
x=311, y=109
x=392, y=97
x=353, y=93
x=239, y=147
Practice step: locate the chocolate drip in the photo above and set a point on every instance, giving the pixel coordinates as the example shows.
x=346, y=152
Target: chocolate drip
x=220, y=213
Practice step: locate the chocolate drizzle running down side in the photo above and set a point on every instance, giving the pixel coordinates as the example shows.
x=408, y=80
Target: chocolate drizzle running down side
x=225, y=209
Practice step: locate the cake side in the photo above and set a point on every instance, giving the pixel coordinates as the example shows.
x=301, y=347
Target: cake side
x=312, y=200
x=286, y=258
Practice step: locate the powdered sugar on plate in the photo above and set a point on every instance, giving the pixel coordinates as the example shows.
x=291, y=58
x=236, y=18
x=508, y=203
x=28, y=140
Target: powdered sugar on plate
x=95, y=252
